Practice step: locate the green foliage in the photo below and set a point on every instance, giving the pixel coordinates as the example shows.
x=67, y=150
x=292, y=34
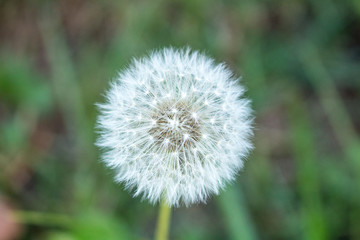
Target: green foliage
x=299, y=61
x=20, y=85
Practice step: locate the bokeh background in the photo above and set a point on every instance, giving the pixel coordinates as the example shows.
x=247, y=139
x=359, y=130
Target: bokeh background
x=300, y=61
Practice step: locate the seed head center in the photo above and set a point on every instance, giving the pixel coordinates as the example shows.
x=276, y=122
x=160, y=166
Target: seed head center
x=175, y=126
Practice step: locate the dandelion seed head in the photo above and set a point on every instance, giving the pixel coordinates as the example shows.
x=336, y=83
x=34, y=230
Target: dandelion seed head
x=175, y=126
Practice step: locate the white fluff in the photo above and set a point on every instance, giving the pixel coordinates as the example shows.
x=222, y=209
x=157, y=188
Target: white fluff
x=174, y=127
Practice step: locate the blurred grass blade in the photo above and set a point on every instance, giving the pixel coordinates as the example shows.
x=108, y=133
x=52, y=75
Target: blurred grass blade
x=236, y=216
x=41, y=218
x=307, y=171
x=329, y=97
x=68, y=94
x=340, y=120
x=330, y=100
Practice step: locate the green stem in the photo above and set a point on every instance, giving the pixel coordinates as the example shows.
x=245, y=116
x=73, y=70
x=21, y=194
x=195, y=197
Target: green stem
x=162, y=229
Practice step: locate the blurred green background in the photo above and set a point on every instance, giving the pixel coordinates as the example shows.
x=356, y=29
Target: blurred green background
x=300, y=61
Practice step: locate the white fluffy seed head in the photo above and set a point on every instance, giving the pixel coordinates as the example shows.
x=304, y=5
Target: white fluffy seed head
x=174, y=126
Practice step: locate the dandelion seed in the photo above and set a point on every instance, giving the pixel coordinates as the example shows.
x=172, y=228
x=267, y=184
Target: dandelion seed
x=190, y=135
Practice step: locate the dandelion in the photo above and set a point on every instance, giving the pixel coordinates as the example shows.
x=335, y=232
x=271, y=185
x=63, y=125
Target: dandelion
x=175, y=127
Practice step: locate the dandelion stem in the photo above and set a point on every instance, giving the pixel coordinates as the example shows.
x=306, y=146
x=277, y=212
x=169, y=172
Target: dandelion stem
x=162, y=229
